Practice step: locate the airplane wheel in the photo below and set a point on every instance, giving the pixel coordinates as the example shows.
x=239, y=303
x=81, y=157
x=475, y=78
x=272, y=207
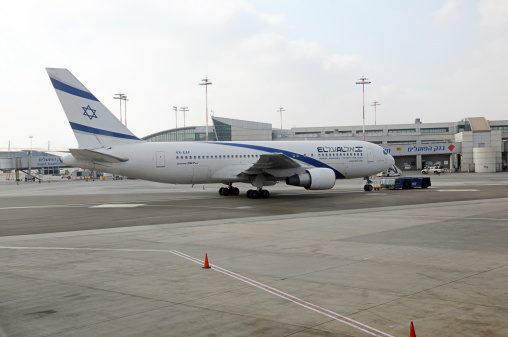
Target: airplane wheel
x=220, y=190
x=249, y=193
x=225, y=192
x=265, y=194
x=406, y=185
x=254, y=194
x=368, y=188
x=234, y=191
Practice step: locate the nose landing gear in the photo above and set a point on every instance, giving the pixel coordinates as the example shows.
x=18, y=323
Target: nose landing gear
x=368, y=184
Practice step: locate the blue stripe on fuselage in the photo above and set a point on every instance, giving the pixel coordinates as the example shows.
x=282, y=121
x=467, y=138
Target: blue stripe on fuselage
x=84, y=128
x=71, y=90
x=292, y=155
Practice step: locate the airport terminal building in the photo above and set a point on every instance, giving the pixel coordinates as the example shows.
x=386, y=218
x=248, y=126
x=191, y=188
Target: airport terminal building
x=470, y=145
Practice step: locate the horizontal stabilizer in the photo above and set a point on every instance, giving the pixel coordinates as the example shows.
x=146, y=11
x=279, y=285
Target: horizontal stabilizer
x=96, y=156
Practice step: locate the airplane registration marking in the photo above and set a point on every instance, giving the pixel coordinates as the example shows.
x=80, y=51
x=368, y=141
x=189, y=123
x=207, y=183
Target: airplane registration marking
x=338, y=317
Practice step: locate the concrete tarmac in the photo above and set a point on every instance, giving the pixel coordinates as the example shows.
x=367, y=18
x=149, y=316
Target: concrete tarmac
x=124, y=258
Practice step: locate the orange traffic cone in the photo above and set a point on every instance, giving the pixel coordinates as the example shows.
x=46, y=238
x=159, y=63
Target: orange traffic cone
x=203, y=186
x=412, y=332
x=206, y=266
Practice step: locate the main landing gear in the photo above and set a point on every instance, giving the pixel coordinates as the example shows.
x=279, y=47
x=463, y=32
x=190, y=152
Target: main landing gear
x=251, y=194
x=368, y=185
x=227, y=191
x=257, y=194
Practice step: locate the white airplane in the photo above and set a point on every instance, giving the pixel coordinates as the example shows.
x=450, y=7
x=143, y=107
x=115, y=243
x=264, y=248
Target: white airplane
x=105, y=144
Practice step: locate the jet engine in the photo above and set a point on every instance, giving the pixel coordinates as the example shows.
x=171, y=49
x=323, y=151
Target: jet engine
x=319, y=178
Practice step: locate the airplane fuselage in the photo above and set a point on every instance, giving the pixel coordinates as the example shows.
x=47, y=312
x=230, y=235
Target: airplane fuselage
x=223, y=162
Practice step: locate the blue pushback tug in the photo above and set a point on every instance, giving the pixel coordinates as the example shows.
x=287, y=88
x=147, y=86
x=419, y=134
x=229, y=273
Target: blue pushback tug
x=404, y=183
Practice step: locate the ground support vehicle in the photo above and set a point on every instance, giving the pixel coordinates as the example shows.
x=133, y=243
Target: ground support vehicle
x=433, y=169
x=404, y=183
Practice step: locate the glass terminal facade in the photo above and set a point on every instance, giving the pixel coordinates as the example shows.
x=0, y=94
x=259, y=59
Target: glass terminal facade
x=188, y=134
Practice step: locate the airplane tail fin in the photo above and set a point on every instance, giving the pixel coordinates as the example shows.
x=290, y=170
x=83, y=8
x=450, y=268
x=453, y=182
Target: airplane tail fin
x=93, y=124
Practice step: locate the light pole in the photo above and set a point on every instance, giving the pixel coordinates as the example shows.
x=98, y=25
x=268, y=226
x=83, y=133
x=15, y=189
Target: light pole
x=176, y=116
x=375, y=104
x=363, y=82
x=30, y=157
x=206, y=83
x=120, y=97
x=184, y=109
x=124, y=98
x=280, y=110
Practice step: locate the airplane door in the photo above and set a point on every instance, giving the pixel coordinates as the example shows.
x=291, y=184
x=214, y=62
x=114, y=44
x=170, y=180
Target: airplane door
x=160, y=159
x=370, y=155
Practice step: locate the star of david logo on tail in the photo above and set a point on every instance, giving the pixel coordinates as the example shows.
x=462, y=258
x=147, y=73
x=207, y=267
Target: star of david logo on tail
x=89, y=109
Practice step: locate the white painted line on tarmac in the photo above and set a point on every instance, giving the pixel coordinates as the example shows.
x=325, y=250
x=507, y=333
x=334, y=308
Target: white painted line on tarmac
x=117, y=206
x=89, y=249
x=317, y=193
x=355, y=324
x=464, y=190
x=43, y=206
x=438, y=217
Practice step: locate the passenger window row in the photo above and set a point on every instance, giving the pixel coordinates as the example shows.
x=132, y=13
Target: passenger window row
x=333, y=155
x=219, y=156
x=353, y=154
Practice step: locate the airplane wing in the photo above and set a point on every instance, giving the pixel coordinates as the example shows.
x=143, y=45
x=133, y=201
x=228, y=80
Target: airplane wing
x=96, y=156
x=269, y=163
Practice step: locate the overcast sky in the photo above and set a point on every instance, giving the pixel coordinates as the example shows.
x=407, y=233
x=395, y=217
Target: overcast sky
x=439, y=61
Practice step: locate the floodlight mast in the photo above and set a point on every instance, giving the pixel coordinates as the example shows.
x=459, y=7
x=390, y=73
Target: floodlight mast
x=176, y=116
x=206, y=83
x=30, y=158
x=120, y=97
x=124, y=98
x=363, y=82
x=184, y=109
x=280, y=110
x=375, y=104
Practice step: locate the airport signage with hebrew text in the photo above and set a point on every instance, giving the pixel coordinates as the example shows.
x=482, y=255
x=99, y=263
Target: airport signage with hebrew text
x=425, y=149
